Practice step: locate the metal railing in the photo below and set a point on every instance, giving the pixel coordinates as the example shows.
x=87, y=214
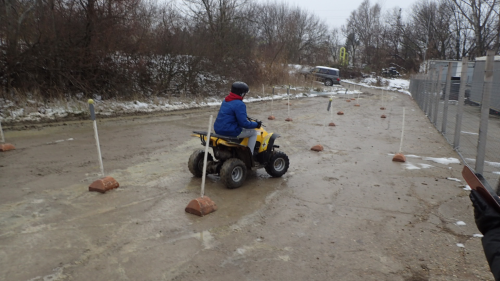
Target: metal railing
x=464, y=118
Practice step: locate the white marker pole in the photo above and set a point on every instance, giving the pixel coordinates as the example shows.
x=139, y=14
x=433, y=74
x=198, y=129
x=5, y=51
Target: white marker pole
x=1, y=132
x=402, y=132
x=92, y=117
x=205, y=157
x=272, y=102
x=328, y=108
x=331, y=109
x=288, y=94
x=383, y=103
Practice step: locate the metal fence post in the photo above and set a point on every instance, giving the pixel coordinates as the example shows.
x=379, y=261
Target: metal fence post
x=437, y=97
x=420, y=95
x=461, y=100
x=412, y=88
x=428, y=86
x=485, y=111
x=419, y=92
x=426, y=95
x=413, y=84
x=423, y=93
x=446, y=99
x=434, y=87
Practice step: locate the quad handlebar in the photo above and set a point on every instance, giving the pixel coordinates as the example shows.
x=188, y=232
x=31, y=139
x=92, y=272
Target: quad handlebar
x=255, y=120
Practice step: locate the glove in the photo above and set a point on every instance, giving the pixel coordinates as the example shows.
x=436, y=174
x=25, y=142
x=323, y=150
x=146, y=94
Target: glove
x=487, y=217
x=259, y=124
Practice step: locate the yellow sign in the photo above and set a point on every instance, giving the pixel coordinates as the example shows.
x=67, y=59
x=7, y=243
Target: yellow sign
x=343, y=57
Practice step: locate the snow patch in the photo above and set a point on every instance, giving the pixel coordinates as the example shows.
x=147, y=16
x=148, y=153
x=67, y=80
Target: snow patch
x=494, y=164
x=412, y=156
x=410, y=166
x=444, y=161
x=460, y=223
x=453, y=179
x=41, y=111
x=396, y=84
x=467, y=188
x=469, y=133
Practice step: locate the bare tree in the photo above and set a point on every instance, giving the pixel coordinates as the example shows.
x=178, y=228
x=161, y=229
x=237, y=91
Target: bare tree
x=334, y=40
x=219, y=17
x=365, y=23
x=479, y=14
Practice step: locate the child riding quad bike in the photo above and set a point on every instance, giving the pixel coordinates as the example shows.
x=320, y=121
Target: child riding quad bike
x=233, y=158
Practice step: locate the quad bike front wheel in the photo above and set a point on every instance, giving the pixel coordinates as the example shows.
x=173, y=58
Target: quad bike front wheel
x=233, y=173
x=278, y=164
x=195, y=163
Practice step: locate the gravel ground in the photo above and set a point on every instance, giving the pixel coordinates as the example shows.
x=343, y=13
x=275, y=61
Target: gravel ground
x=346, y=213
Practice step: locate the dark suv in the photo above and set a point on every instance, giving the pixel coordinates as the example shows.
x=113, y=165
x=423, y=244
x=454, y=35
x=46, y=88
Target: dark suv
x=327, y=75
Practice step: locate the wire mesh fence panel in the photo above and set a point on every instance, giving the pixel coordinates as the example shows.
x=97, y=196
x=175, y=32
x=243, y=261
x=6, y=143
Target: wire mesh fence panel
x=451, y=121
x=431, y=101
x=491, y=169
x=492, y=160
x=438, y=106
x=469, y=133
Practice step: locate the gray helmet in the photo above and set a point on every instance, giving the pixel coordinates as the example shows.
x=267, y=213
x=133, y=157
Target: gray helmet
x=239, y=88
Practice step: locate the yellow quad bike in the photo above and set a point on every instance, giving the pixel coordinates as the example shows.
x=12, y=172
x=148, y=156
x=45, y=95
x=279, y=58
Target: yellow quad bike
x=233, y=158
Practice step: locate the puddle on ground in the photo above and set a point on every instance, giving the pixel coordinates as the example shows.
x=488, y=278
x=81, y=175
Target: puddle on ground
x=205, y=237
x=163, y=169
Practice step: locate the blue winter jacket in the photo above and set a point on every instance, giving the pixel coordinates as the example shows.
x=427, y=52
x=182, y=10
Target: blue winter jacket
x=232, y=118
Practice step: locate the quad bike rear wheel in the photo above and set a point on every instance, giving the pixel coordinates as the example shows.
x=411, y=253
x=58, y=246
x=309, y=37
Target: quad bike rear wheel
x=233, y=173
x=195, y=163
x=278, y=164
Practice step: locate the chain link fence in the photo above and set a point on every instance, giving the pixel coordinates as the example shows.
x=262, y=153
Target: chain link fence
x=465, y=111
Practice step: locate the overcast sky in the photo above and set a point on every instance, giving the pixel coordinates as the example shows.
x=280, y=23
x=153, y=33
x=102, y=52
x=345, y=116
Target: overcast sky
x=336, y=12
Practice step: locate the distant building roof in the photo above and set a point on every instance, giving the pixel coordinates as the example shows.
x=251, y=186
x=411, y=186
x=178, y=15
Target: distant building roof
x=497, y=58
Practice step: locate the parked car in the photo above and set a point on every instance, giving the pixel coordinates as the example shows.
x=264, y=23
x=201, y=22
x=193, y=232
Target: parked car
x=327, y=75
x=390, y=72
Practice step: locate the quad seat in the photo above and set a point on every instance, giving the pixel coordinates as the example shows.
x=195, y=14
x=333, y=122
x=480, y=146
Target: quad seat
x=227, y=138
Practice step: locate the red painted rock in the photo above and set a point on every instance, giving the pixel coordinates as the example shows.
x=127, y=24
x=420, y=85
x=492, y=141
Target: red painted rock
x=6, y=147
x=383, y=116
x=201, y=206
x=353, y=98
x=317, y=147
x=331, y=124
x=340, y=113
x=382, y=108
x=104, y=184
x=357, y=104
x=271, y=117
x=399, y=157
x=289, y=119
x=348, y=100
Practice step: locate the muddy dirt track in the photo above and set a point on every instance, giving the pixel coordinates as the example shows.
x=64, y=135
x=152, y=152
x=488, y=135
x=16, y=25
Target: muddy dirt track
x=347, y=213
